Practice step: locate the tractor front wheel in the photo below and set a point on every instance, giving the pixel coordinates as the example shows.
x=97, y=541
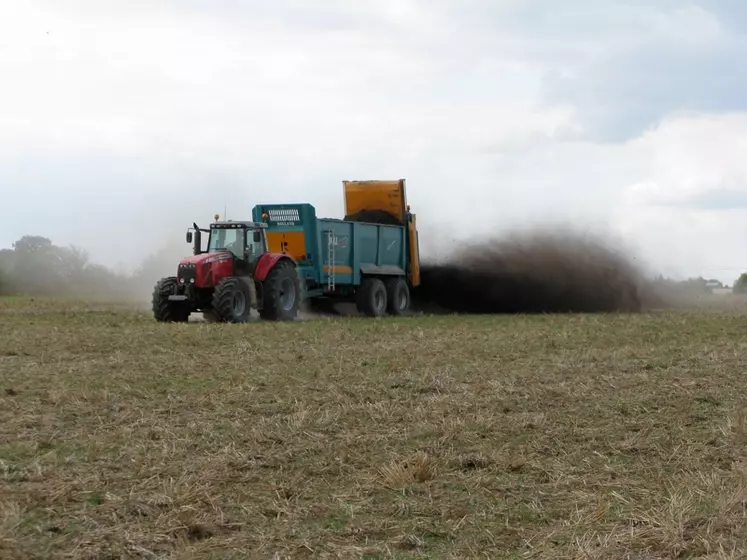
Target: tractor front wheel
x=281, y=293
x=166, y=311
x=371, y=298
x=231, y=301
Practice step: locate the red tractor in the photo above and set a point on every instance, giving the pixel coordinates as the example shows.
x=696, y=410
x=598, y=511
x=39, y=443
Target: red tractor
x=235, y=274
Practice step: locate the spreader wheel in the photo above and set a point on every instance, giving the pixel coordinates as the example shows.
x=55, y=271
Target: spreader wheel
x=398, y=296
x=371, y=297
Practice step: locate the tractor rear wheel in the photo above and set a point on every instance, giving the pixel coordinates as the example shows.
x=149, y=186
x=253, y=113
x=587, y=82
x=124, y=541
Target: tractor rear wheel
x=231, y=301
x=281, y=293
x=371, y=297
x=398, y=296
x=166, y=311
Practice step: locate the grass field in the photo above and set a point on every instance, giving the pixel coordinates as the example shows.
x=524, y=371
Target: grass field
x=617, y=436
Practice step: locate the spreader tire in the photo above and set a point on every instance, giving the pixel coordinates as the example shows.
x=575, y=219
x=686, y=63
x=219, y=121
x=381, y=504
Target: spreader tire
x=166, y=311
x=371, y=297
x=398, y=296
x=232, y=301
x=281, y=293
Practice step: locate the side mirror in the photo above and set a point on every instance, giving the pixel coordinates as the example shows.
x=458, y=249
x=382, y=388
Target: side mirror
x=257, y=236
x=189, y=236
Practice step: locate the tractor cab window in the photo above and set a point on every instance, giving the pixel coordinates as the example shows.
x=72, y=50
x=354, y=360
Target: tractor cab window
x=227, y=240
x=254, y=247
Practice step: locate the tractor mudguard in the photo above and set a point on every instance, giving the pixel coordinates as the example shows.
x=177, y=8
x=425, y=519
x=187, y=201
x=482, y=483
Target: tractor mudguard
x=266, y=264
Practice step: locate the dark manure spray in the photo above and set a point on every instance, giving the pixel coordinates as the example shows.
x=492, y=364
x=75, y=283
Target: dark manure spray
x=541, y=272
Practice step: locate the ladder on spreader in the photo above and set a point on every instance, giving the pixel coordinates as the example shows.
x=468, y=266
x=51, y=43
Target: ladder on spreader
x=331, y=249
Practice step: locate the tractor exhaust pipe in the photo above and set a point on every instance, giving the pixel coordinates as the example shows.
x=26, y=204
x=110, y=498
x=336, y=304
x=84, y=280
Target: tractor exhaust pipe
x=197, y=238
x=197, y=249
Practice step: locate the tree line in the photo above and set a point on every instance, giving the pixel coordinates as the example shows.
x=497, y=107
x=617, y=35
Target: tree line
x=36, y=266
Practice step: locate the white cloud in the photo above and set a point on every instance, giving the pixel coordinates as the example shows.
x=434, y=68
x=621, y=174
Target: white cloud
x=690, y=205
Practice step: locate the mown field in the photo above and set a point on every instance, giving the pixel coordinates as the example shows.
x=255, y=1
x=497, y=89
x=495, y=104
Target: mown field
x=589, y=437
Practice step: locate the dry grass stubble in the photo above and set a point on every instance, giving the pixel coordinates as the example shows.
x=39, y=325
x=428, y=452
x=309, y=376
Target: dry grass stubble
x=450, y=437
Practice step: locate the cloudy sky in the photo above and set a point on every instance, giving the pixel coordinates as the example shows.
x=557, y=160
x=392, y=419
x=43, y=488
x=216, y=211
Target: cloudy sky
x=121, y=123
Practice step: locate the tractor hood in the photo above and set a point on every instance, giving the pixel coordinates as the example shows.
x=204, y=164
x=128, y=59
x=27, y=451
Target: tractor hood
x=206, y=258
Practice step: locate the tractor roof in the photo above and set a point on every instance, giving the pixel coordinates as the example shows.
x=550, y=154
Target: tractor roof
x=237, y=224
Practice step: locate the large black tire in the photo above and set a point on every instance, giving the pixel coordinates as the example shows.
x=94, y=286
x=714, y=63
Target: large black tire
x=371, y=297
x=231, y=301
x=166, y=311
x=397, y=295
x=281, y=293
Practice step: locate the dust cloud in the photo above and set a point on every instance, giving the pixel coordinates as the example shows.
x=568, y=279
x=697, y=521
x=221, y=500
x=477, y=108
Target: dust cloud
x=535, y=272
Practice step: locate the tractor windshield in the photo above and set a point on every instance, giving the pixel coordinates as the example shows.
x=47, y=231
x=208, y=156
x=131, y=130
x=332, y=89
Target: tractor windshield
x=227, y=240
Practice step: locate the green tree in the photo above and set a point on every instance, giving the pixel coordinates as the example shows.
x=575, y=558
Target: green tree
x=37, y=266
x=740, y=286
x=7, y=258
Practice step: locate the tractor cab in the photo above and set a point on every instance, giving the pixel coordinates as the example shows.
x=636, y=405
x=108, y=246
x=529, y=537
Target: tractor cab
x=246, y=241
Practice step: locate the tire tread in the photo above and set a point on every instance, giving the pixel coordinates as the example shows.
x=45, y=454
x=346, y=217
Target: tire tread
x=271, y=310
x=165, y=311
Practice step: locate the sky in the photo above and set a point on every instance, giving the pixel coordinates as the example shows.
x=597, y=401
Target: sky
x=122, y=123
